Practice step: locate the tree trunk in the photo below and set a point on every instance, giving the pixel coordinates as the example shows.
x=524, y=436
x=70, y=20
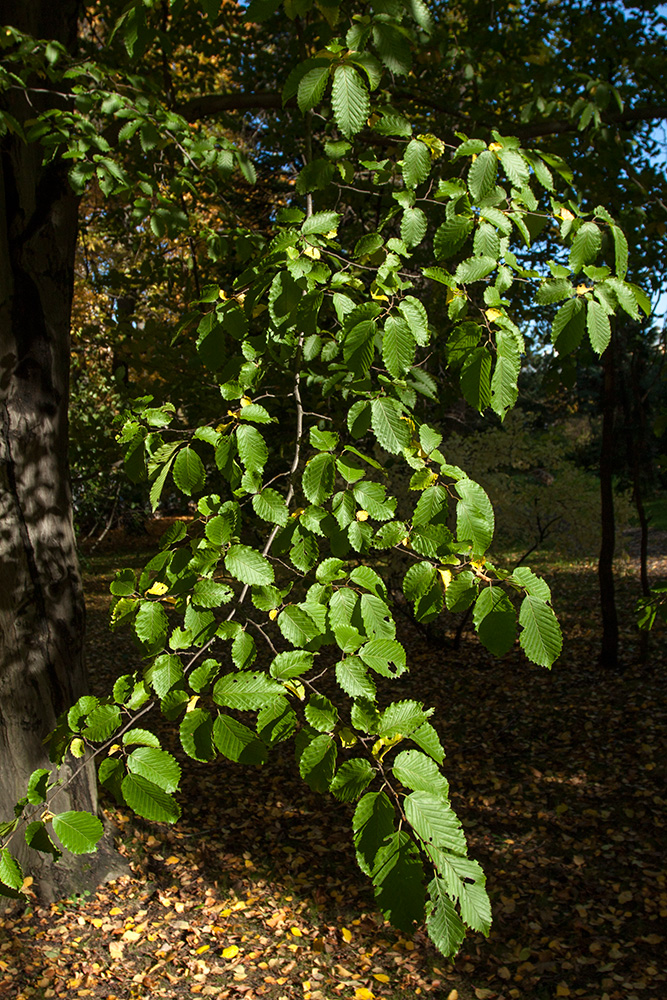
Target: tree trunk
x=609, y=646
x=42, y=668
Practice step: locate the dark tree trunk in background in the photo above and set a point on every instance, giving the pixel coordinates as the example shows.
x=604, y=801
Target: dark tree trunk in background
x=609, y=646
x=42, y=668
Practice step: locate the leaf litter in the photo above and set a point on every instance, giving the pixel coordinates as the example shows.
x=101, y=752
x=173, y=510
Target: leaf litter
x=559, y=781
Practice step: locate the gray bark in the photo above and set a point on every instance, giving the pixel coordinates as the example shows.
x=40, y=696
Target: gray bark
x=42, y=668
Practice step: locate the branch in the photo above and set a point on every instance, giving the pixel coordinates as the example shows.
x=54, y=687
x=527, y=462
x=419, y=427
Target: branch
x=215, y=104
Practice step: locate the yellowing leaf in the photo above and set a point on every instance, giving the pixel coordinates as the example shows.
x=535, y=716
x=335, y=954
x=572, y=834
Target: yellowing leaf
x=583, y=289
x=173, y=860
x=347, y=934
x=332, y=234
x=493, y=314
x=312, y=252
x=114, y=911
x=204, y=947
x=296, y=932
x=565, y=214
x=361, y=993
x=191, y=704
x=494, y=147
x=381, y=978
x=273, y=614
x=245, y=401
x=158, y=589
x=230, y=952
x=446, y=577
x=362, y=515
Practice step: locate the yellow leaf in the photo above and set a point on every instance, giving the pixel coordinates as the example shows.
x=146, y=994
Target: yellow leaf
x=114, y=911
x=332, y=234
x=312, y=252
x=362, y=515
x=131, y=936
x=347, y=737
x=200, y=951
x=562, y=990
x=114, y=749
x=565, y=214
x=493, y=314
x=406, y=541
x=477, y=564
x=173, y=860
x=583, y=289
x=230, y=952
x=446, y=577
x=273, y=614
x=347, y=934
x=191, y=704
x=76, y=748
x=361, y=993
x=222, y=294
x=158, y=589
x=240, y=298
x=296, y=932
x=381, y=978
x=494, y=147
x=297, y=512
x=96, y=922
x=245, y=401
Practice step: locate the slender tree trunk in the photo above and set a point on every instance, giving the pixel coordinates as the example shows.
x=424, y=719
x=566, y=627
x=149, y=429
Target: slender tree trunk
x=42, y=668
x=609, y=646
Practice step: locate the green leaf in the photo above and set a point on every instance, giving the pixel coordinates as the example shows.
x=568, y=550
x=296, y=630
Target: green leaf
x=532, y=583
x=418, y=580
x=443, y=923
x=10, y=871
x=209, y=594
x=398, y=879
x=585, y=246
x=37, y=786
x=417, y=771
x=249, y=566
x=379, y=654
x=400, y=719
x=482, y=175
x=349, y=100
x=451, y=236
x=203, y=675
x=247, y=690
x=251, y=447
x=156, y=765
x=435, y=822
x=413, y=226
x=320, y=713
x=196, y=733
x=297, y=626
x=554, y=290
x=188, y=471
x=398, y=346
x=416, y=163
x=291, y=664
x=319, y=477
x=352, y=675
x=142, y=736
x=244, y=650
x=359, y=346
x=37, y=837
x=428, y=740
x=318, y=762
x=495, y=620
x=151, y=624
x=621, y=252
x=312, y=86
x=504, y=387
x=415, y=315
x=474, y=269
x=352, y=779
x=541, y=638
x=148, y=800
x=238, y=743
x=431, y=505
x=475, y=378
x=599, y=327
x=465, y=882
x=78, y=832
x=276, y=721
x=320, y=222
x=461, y=592
x=567, y=328
x=372, y=823
x=390, y=430
x=474, y=515
x=165, y=673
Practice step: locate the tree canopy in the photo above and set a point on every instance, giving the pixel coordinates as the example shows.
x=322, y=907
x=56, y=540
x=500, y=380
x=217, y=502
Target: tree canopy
x=319, y=224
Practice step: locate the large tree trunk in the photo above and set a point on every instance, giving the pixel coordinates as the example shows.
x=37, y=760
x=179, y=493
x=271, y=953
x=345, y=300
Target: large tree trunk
x=42, y=668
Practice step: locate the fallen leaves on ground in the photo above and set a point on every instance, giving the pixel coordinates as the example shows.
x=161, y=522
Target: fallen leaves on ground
x=558, y=778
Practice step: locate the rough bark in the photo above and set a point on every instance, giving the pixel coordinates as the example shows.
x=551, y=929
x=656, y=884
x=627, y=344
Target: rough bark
x=42, y=668
x=609, y=645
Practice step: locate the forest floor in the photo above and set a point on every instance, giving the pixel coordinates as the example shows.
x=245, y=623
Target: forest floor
x=558, y=777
